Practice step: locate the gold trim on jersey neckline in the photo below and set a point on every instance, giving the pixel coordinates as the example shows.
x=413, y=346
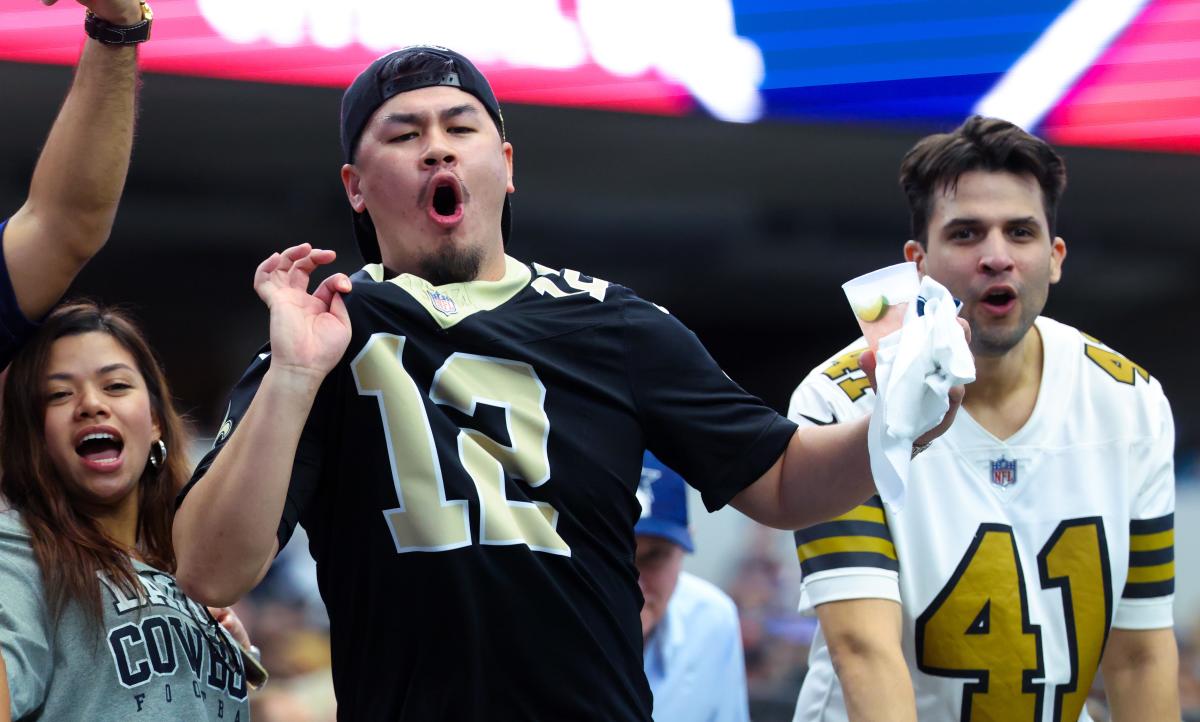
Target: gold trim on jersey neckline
x=451, y=303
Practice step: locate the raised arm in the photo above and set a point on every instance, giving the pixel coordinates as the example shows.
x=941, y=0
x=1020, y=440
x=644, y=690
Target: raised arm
x=225, y=530
x=81, y=171
x=825, y=470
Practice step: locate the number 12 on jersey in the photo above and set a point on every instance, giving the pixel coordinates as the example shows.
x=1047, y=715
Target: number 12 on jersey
x=425, y=519
x=978, y=627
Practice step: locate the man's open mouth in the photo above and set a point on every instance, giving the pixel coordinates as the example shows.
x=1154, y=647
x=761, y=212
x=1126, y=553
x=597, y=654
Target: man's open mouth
x=445, y=200
x=445, y=203
x=999, y=299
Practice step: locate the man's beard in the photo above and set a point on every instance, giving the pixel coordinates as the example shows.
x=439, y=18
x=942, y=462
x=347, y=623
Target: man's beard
x=998, y=343
x=451, y=265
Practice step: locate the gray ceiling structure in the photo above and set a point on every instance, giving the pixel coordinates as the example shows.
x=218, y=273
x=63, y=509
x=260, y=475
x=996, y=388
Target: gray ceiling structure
x=743, y=231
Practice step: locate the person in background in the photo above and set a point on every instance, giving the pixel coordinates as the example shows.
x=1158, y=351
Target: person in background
x=92, y=624
x=79, y=176
x=1036, y=542
x=693, y=647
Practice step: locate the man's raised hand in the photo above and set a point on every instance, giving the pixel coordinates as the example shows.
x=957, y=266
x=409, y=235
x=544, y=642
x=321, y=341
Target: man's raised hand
x=309, y=331
x=867, y=363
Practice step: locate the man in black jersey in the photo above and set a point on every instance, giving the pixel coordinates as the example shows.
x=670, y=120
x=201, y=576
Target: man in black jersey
x=461, y=435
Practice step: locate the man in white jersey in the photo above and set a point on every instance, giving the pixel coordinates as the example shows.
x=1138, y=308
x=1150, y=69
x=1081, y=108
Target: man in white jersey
x=1035, y=544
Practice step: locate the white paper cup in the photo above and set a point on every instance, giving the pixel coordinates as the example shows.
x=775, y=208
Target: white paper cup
x=879, y=299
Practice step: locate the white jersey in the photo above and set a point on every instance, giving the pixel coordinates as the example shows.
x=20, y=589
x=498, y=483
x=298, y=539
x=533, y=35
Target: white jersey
x=1011, y=558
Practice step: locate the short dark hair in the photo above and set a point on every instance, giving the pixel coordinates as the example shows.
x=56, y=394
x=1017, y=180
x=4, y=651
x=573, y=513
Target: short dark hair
x=990, y=144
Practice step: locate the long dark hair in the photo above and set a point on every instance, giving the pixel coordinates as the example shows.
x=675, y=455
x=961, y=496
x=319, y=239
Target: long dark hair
x=69, y=546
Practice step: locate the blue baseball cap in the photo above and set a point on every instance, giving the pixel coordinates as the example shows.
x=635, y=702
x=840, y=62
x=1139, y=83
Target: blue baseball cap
x=663, y=495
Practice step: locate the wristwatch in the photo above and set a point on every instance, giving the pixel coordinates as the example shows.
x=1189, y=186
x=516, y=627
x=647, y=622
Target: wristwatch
x=112, y=34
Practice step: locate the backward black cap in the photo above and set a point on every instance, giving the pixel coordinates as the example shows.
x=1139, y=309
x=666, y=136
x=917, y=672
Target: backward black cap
x=378, y=83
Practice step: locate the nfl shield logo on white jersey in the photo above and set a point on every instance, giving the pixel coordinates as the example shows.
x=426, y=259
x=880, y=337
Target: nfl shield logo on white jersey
x=443, y=303
x=1004, y=472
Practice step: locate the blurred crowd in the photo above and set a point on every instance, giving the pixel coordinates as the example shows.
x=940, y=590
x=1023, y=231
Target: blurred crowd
x=287, y=620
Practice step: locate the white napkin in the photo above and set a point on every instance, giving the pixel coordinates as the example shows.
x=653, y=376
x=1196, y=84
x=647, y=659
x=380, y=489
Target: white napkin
x=915, y=368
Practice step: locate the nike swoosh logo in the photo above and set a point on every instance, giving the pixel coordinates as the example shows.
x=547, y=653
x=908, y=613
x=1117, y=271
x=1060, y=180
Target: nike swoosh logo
x=818, y=422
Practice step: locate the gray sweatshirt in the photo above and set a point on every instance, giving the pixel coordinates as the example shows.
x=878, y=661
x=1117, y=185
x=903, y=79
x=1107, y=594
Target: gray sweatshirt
x=161, y=657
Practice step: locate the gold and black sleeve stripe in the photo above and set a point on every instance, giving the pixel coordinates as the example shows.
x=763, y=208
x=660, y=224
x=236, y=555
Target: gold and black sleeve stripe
x=858, y=538
x=1151, y=558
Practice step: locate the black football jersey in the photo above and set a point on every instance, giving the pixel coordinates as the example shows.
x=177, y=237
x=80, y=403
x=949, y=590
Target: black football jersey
x=467, y=478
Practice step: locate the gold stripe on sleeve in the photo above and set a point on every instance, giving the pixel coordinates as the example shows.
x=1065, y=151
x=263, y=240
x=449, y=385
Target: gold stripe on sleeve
x=1156, y=573
x=841, y=544
x=1150, y=542
x=863, y=513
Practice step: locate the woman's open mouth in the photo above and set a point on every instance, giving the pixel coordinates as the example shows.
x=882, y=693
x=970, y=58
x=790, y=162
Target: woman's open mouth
x=100, y=449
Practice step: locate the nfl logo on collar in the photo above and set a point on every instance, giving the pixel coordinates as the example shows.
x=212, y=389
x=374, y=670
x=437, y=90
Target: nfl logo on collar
x=1004, y=472
x=443, y=303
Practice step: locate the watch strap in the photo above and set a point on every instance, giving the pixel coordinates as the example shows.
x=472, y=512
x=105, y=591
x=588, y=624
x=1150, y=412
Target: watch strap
x=113, y=34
